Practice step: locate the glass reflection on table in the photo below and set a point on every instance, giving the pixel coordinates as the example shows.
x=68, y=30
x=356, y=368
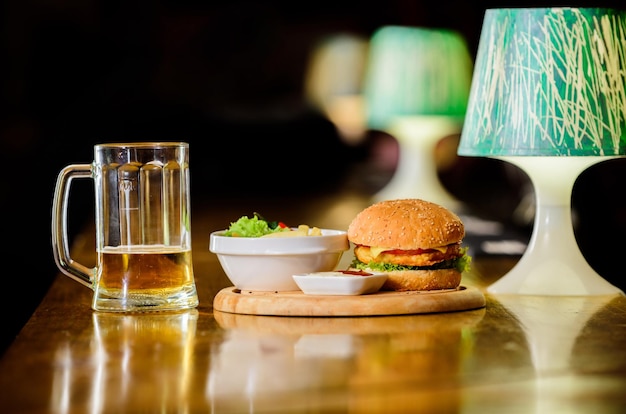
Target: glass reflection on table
x=120, y=377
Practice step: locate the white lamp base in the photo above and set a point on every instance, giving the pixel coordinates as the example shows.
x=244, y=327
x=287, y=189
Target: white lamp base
x=416, y=173
x=553, y=263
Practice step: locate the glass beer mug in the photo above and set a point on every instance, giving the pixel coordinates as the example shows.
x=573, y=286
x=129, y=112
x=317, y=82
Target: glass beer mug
x=143, y=229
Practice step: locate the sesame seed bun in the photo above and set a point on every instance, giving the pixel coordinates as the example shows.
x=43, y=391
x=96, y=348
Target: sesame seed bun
x=415, y=234
x=406, y=224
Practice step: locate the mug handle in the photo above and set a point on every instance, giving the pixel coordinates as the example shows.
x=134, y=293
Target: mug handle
x=60, y=244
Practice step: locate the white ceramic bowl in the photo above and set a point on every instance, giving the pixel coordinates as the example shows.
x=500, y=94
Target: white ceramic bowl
x=268, y=263
x=339, y=283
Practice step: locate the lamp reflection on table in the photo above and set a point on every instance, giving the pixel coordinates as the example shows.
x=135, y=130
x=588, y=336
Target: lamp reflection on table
x=548, y=95
x=416, y=87
x=552, y=328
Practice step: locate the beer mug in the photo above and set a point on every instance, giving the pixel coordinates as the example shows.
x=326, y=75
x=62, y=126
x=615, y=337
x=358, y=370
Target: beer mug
x=143, y=228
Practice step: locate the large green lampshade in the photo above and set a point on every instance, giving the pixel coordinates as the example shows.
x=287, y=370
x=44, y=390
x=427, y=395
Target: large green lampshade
x=548, y=82
x=416, y=71
x=549, y=96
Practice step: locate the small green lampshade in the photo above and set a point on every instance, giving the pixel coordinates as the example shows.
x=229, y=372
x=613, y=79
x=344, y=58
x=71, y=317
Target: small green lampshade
x=548, y=82
x=416, y=71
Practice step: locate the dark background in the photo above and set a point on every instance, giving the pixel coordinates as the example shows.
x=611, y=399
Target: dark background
x=227, y=77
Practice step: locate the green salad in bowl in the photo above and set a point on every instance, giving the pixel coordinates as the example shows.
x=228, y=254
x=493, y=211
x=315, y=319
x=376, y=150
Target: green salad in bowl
x=257, y=226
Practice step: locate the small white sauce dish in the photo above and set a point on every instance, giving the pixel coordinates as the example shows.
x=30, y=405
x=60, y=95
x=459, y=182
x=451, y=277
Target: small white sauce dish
x=339, y=282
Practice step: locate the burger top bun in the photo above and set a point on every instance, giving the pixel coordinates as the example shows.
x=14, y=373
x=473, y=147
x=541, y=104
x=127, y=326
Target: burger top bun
x=406, y=224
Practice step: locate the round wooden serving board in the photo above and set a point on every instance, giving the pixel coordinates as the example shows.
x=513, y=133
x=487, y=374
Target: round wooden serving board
x=296, y=303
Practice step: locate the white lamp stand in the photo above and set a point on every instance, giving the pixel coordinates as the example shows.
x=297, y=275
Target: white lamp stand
x=553, y=263
x=416, y=173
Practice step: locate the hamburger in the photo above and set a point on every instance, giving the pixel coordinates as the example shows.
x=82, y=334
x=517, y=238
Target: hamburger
x=416, y=242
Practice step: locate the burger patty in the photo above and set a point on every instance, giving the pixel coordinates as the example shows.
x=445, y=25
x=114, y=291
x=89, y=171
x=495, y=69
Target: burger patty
x=417, y=257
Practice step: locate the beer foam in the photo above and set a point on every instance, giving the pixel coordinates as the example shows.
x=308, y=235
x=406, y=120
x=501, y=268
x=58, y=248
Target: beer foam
x=144, y=249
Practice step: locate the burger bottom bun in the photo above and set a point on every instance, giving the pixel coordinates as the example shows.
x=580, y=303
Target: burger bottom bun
x=405, y=280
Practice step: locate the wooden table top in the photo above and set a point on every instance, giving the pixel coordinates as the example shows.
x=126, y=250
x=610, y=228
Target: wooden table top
x=519, y=353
